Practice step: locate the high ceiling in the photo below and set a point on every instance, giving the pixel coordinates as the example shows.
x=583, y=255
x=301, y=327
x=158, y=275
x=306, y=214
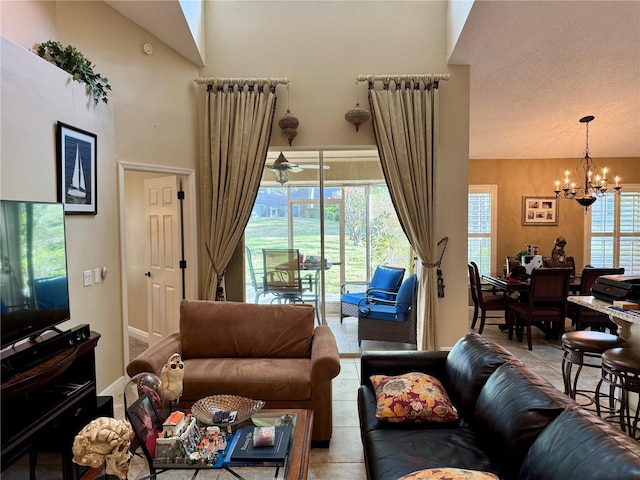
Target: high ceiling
x=536, y=68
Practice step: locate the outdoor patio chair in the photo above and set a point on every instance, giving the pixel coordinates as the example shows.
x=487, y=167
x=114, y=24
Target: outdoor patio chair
x=390, y=320
x=258, y=286
x=282, y=274
x=385, y=281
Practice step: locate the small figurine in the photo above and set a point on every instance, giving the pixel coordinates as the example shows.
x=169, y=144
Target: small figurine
x=105, y=439
x=557, y=254
x=171, y=376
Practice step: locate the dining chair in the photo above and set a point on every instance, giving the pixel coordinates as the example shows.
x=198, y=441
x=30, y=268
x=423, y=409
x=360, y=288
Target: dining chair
x=258, y=286
x=583, y=317
x=569, y=262
x=384, y=284
x=392, y=319
x=546, y=305
x=282, y=274
x=511, y=263
x=484, y=302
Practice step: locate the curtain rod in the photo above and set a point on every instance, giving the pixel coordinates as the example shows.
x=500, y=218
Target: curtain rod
x=232, y=80
x=403, y=78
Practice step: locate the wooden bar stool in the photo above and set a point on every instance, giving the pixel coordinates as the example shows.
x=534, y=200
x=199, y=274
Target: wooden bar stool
x=578, y=348
x=621, y=370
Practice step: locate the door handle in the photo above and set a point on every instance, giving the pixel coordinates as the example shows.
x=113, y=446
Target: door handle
x=148, y=274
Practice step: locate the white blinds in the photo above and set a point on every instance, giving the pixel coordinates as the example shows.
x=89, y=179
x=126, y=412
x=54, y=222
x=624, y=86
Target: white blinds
x=480, y=226
x=615, y=231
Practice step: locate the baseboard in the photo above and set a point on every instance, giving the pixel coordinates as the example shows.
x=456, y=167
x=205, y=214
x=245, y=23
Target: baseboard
x=116, y=388
x=138, y=334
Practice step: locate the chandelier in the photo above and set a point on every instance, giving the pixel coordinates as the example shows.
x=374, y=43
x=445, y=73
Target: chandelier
x=593, y=186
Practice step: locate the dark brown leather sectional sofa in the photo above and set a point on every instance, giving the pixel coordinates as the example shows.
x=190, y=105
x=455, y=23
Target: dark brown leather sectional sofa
x=513, y=422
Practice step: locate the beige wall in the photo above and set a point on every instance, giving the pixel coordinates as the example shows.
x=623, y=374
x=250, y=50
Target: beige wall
x=321, y=47
x=35, y=95
x=152, y=116
x=517, y=178
x=150, y=119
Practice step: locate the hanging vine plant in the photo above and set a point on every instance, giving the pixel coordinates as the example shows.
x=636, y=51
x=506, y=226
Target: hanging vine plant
x=72, y=61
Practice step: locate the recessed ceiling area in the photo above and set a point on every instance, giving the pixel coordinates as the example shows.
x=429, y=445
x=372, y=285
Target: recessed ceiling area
x=537, y=67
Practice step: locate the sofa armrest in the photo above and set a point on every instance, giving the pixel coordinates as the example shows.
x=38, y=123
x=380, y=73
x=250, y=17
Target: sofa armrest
x=399, y=362
x=325, y=359
x=155, y=357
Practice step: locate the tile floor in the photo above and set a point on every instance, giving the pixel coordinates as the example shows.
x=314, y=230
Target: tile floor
x=343, y=460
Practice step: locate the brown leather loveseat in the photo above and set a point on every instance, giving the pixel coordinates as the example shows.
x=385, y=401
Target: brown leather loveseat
x=273, y=353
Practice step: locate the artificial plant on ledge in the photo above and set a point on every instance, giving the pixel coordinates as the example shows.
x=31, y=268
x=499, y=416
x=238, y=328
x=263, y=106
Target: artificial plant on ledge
x=72, y=61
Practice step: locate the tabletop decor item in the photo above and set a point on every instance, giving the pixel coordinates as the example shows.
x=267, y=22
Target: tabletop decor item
x=225, y=409
x=104, y=441
x=172, y=375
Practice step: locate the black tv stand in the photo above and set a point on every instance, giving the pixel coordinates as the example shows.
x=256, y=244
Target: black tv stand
x=48, y=404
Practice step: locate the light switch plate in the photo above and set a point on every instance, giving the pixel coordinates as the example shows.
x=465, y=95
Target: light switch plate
x=87, y=278
x=96, y=275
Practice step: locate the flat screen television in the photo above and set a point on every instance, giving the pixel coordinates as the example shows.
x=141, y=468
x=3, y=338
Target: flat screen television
x=34, y=291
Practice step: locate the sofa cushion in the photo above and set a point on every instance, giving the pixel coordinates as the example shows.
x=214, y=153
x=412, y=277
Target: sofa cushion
x=469, y=364
x=510, y=413
x=447, y=473
x=258, y=378
x=275, y=331
x=391, y=453
x=412, y=397
x=385, y=279
x=579, y=445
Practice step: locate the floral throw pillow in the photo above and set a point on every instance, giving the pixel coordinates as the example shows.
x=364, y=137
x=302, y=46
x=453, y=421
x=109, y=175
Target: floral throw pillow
x=449, y=474
x=412, y=397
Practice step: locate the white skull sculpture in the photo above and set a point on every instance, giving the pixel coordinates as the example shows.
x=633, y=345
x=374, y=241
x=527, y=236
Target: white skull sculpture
x=107, y=440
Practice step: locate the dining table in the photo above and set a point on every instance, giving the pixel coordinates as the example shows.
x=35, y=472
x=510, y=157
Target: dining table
x=510, y=285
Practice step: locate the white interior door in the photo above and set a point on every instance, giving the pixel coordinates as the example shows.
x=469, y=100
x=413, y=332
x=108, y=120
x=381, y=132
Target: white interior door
x=164, y=282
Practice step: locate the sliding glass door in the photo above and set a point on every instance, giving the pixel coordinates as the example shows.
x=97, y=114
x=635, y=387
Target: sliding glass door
x=335, y=206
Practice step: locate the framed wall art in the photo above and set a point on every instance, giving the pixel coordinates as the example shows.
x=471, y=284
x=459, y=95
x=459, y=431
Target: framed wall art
x=77, y=174
x=540, y=211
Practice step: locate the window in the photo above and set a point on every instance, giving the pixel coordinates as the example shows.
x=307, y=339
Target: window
x=481, y=226
x=613, y=238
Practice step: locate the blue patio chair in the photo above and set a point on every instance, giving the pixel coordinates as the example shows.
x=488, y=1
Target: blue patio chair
x=390, y=320
x=385, y=282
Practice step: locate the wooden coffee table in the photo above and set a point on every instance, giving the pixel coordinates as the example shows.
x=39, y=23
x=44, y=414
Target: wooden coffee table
x=297, y=465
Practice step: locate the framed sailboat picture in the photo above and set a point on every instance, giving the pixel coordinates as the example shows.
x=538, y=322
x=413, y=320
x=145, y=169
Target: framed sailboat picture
x=77, y=182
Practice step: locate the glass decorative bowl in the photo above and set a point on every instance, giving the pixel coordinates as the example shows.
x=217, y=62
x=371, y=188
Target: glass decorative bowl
x=225, y=410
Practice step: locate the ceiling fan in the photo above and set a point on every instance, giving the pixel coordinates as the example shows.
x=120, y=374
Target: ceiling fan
x=282, y=167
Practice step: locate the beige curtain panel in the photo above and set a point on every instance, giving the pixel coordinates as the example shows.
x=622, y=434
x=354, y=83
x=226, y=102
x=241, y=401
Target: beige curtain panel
x=238, y=118
x=405, y=122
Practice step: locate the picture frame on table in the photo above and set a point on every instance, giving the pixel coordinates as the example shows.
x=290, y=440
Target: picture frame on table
x=146, y=423
x=76, y=170
x=539, y=211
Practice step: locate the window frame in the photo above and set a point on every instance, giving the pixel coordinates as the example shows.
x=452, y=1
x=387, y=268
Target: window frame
x=492, y=190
